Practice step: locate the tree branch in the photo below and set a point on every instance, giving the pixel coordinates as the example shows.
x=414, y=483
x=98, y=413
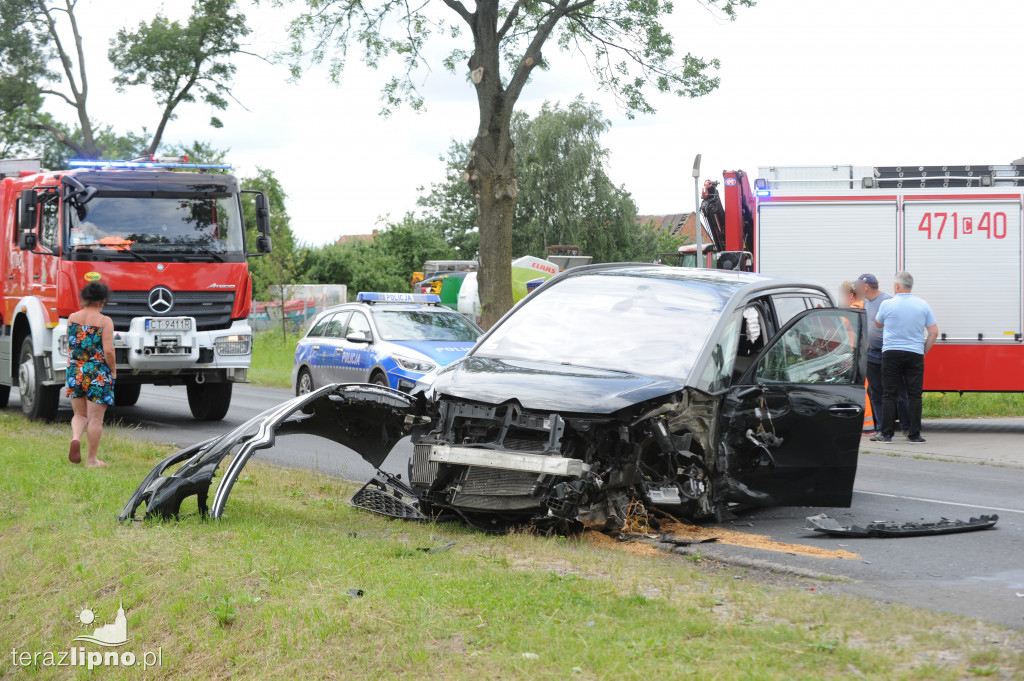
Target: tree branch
x=58, y=94
x=61, y=137
x=461, y=10
x=510, y=19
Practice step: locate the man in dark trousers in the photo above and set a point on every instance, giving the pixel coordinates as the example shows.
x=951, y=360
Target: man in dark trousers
x=868, y=291
x=909, y=331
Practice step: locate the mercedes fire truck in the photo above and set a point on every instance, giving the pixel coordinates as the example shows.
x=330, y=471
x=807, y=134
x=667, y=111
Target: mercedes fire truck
x=167, y=236
x=956, y=229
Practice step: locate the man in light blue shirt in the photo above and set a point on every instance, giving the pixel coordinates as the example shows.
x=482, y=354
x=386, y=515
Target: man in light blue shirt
x=909, y=331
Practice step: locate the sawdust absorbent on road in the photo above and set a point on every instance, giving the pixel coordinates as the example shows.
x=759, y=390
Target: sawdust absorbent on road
x=750, y=540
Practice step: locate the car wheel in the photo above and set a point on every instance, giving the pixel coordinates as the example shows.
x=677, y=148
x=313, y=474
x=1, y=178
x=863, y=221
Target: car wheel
x=38, y=402
x=379, y=379
x=304, y=383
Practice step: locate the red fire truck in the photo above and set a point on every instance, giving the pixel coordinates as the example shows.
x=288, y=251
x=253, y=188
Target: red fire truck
x=956, y=229
x=167, y=237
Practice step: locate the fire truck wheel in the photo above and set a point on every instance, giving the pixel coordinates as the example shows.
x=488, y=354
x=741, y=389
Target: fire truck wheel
x=38, y=402
x=5, y=394
x=209, y=401
x=127, y=395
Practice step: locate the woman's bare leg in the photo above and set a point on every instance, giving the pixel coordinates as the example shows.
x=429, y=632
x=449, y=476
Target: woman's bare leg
x=94, y=432
x=78, y=424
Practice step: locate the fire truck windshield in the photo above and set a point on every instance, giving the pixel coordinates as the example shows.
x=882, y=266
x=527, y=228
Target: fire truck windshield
x=201, y=227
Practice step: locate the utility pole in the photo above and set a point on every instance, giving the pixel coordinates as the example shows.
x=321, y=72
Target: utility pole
x=696, y=211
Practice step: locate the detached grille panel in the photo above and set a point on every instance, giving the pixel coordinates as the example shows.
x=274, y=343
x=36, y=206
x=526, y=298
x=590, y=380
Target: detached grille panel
x=211, y=309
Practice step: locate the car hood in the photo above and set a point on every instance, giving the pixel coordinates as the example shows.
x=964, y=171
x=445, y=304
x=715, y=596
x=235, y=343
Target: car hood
x=441, y=353
x=549, y=387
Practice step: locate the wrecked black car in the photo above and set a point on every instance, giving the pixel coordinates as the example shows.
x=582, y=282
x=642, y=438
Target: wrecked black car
x=611, y=390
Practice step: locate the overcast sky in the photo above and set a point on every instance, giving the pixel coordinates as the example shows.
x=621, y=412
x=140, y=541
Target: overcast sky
x=804, y=82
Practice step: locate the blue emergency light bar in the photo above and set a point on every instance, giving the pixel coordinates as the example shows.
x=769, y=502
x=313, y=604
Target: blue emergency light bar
x=76, y=163
x=764, y=192
x=398, y=298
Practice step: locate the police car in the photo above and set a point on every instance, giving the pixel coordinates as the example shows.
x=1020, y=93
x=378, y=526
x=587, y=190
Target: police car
x=390, y=339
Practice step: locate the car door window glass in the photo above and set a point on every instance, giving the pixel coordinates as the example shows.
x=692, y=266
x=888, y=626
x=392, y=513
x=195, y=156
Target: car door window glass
x=820, y=348
x=787, y=307
x=336, y=327
x=49, y=223
x=359, y=324
x=321, y=326
x=719, y=368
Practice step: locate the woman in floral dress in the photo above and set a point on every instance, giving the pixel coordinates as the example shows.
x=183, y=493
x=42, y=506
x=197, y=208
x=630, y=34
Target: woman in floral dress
x=91, y=371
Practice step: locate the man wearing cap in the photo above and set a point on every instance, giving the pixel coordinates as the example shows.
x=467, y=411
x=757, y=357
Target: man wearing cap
x=867, y=289
x=909, y=331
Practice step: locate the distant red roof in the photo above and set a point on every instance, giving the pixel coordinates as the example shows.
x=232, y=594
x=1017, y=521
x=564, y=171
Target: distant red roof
x=353, y=238
x=676, y=224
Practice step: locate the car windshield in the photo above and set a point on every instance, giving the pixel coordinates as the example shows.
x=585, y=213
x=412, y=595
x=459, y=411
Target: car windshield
x=615, y=320
x=423, y=325
x=205, y=225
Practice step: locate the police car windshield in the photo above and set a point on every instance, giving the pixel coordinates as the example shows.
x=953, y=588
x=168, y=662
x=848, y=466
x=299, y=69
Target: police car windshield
x=613, y=320
x=423, y=325
x=201, y=225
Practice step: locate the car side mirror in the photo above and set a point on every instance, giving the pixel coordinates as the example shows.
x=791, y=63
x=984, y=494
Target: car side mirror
x=357, y=337
x=27, y=238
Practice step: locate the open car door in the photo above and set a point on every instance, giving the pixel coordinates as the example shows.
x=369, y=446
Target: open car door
x=793, y=422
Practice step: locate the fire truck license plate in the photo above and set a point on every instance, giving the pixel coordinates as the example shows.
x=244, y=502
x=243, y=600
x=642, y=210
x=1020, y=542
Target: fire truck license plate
x=169, y=324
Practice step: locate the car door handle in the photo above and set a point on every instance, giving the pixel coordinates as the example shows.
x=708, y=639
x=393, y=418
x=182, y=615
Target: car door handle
x=339, y=350
x=852, y=410
x=316, y=348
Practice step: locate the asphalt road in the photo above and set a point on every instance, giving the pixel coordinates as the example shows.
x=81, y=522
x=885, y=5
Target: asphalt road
x=979, y=574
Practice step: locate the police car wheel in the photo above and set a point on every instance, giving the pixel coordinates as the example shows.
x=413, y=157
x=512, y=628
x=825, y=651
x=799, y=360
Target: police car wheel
x=304, y=383
x=379, y=379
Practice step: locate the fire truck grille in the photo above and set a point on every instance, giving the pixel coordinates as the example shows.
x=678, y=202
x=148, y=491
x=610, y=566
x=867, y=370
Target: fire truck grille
x=211, y=309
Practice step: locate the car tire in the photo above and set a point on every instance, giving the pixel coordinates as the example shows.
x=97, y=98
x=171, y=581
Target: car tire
x=380, y=379
x=209, y=401
x=127, y=395
x=38, y=402
x=304, y=382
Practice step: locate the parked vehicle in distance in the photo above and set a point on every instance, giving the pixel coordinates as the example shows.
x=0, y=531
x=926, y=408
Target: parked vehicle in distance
x=611, y=392
x=389, y=339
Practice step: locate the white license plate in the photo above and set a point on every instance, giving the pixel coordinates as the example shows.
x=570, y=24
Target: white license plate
x=169, y=324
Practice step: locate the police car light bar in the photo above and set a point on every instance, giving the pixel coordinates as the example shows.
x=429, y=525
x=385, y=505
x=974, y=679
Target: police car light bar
x=153, y=162
x=398, y=298
x=764, y=192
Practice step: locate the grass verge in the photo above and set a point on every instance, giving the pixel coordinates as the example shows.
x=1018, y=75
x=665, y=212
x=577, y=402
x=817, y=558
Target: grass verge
x=267, y=592
x=972, y=405
x=272, y=358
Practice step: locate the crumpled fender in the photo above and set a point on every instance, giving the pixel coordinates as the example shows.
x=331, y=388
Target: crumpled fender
x=369, y=419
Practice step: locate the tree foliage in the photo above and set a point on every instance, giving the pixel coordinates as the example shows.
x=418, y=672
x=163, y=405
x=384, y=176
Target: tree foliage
x=629, y=52
x=42, y=60
x=565, y=194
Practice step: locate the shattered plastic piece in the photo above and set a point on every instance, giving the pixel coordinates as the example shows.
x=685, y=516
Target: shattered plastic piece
x=355, y=593
x=823, y=523
x=387, y=495
x=437, y=549
x=672, y=539
x=531, y=656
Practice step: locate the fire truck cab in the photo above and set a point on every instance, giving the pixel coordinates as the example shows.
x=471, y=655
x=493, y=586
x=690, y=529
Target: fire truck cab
x=956, y=229
x=168, y=239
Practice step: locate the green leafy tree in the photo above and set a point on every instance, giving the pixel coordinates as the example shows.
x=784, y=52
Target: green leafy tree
x=627, y=47
x=450, y=207
x=278, y=269
x=178, y=62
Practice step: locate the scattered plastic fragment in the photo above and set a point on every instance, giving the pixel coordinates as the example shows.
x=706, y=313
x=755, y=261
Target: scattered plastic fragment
x=531, y=656
x=881, y=528
x=436, y=549
x=355, y=593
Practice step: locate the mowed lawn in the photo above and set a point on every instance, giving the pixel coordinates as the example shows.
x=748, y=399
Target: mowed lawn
x=295, y=584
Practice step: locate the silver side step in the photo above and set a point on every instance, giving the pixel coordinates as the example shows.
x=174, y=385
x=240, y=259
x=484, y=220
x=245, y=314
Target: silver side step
x=506, y=460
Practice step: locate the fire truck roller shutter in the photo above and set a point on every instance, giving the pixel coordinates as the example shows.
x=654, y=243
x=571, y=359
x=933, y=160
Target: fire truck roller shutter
x=971, y=274
x=828, y=241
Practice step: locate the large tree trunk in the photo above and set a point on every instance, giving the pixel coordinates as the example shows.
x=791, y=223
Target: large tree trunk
x=491, y=174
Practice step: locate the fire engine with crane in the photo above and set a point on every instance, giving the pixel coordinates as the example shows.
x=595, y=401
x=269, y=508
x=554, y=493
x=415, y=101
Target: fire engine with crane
x=956, y=229
x=167, y=237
